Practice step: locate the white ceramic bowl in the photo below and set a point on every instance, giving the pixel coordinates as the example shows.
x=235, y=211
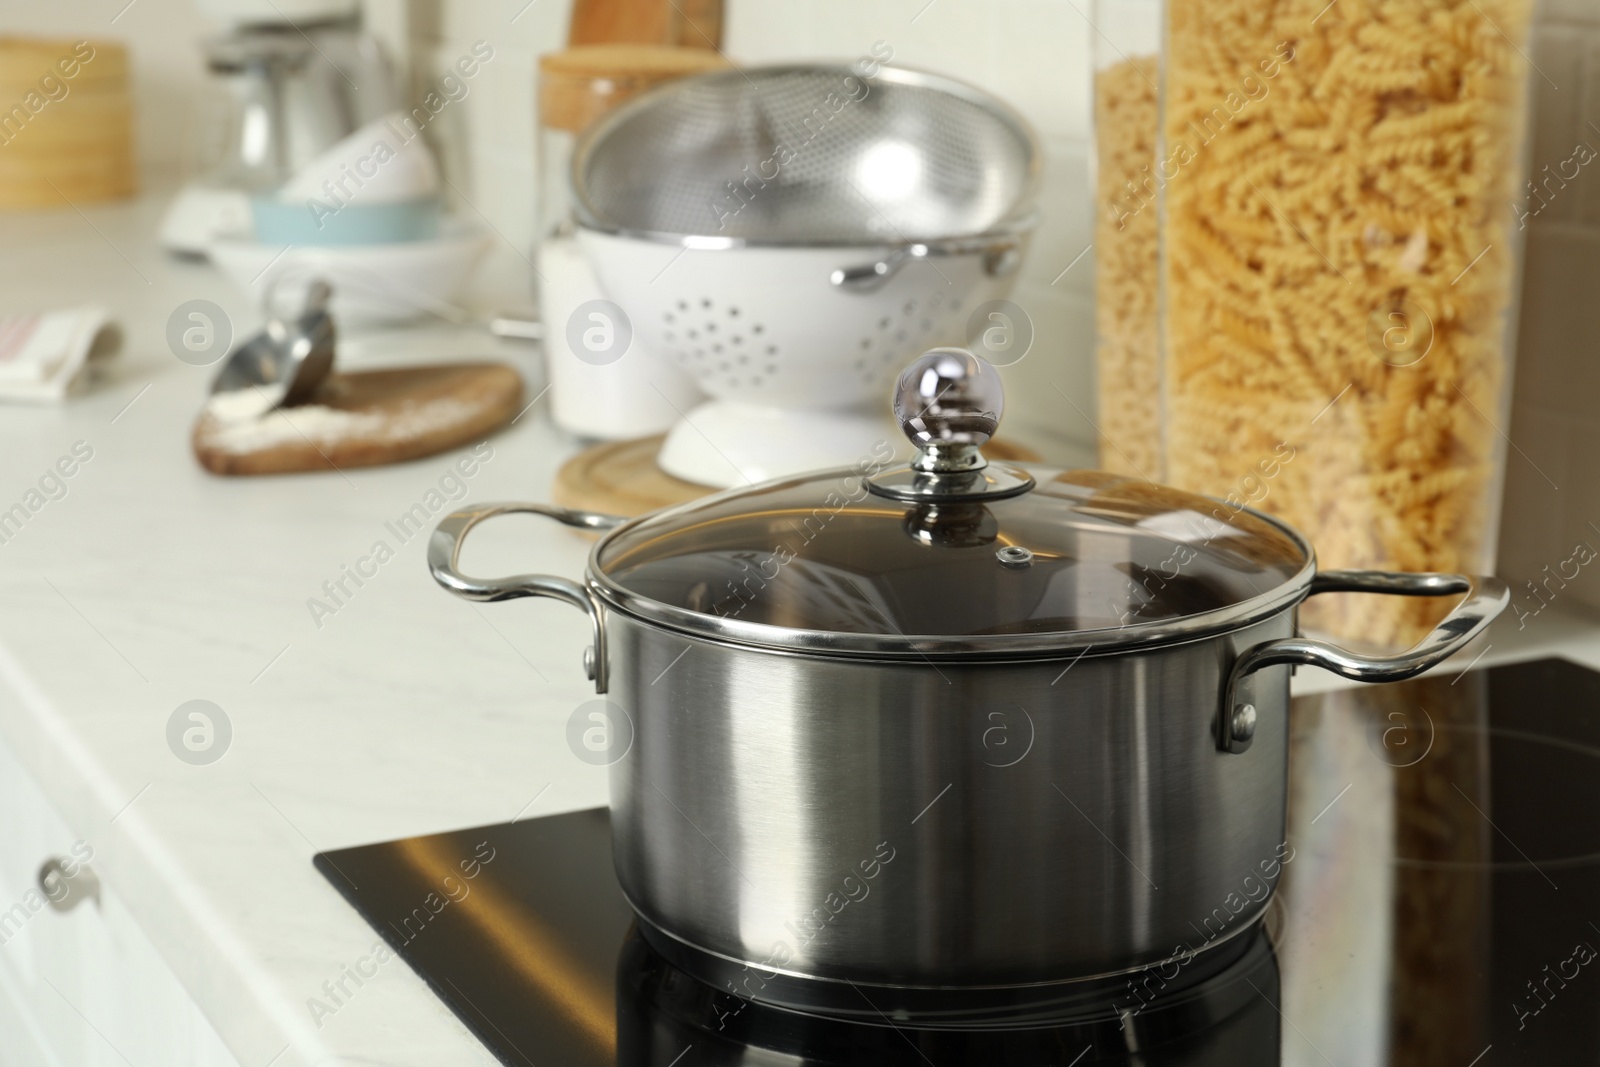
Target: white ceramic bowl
x=255, y=12
x=381, y=163
x=371, y=283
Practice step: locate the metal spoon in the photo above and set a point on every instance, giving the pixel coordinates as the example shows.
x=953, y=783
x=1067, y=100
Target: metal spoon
x=280, y=366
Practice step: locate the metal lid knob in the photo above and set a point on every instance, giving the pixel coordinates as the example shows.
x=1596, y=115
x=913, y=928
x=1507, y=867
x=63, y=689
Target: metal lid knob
x=949, y=403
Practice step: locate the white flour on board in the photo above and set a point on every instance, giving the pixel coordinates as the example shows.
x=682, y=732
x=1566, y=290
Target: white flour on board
x=324, y=426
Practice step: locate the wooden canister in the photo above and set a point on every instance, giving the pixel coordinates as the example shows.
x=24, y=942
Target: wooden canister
x=66, y=123
x=689, y=23
x=581, y=83
x=578, y=85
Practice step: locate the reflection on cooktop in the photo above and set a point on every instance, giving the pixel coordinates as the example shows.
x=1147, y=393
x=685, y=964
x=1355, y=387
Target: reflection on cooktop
x=1436, y=910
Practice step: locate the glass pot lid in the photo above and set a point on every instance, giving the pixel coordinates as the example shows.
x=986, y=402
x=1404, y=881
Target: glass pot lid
x=952, y=555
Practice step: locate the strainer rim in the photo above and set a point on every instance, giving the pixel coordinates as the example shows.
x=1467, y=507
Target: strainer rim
x=1021, y=217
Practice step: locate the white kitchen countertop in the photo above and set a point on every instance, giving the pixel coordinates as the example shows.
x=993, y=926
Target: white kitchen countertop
x=151, y=583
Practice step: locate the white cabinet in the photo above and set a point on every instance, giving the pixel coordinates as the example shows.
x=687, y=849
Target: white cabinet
x=81, y=987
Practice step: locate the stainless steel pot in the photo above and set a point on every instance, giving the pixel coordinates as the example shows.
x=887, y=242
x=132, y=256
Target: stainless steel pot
x=957, y=726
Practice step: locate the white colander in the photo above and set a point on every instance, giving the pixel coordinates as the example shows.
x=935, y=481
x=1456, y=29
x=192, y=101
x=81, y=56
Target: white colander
x=795, y=263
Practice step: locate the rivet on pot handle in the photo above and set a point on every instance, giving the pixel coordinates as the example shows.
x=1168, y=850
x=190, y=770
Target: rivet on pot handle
x=1485, y=598
x=444, y=547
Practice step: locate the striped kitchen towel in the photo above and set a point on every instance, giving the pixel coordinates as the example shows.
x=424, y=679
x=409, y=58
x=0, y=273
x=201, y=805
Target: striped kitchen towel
x=42, y=357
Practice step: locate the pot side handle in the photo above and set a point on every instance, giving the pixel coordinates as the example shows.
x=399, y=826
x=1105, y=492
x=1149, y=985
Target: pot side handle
x=1485, y=598
x=444, y=549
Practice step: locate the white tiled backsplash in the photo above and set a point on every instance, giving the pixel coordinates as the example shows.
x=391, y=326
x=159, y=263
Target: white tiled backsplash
x=1032, y=53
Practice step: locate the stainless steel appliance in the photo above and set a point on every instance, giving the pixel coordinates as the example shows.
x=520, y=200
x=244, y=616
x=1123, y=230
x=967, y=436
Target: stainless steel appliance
x=288, y=91
x=954, y=730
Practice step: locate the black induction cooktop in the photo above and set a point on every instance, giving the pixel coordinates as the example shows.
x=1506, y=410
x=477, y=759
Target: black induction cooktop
x=1441, y=907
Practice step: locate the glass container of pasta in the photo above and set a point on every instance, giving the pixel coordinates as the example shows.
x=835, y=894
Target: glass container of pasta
x=1127, y=85
x=1338, y=271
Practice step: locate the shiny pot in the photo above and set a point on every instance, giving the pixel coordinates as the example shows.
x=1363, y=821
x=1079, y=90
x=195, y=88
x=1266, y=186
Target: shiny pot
x=960, y=728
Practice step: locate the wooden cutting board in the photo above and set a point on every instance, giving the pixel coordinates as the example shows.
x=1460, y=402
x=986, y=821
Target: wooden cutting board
x=366, y=418
x=621, y=477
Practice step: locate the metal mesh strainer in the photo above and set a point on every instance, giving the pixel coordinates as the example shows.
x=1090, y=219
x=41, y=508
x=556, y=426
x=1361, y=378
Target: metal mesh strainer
x=808, y=155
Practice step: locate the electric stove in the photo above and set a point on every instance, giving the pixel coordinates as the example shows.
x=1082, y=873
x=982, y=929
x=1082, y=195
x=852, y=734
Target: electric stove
x=1438, y=905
